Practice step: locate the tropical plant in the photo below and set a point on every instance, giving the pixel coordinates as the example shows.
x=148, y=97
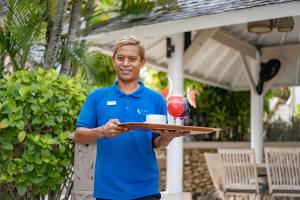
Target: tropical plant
x=55, y=17
x=20, y=30
x=109, y=10
x=92, y=66
x=225, y=109
x=72, y=36
x=283, y=131
x=38, y=110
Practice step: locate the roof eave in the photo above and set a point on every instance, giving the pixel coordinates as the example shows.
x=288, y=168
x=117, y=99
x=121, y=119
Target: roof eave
x=201, y=22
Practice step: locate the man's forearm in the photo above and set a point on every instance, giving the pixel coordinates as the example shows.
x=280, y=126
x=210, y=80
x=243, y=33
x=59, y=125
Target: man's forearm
x=87, y=135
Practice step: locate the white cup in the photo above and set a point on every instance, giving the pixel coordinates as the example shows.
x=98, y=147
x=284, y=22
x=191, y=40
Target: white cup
x=156, y=119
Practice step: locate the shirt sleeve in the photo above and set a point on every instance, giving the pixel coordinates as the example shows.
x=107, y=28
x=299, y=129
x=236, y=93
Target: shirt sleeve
x=88, y=115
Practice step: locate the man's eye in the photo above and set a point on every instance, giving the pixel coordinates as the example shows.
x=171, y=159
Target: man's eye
x=132, y=59
x=120, y=58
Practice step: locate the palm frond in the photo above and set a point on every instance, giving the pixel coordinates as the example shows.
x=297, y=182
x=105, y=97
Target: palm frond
x=93, y=66
x=21, y=28
x=23, y=20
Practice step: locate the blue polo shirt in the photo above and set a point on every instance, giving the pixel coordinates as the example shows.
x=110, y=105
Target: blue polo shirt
x=126, y=166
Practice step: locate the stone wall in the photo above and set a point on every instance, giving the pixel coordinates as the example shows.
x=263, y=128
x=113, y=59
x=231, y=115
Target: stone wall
x=196, y=178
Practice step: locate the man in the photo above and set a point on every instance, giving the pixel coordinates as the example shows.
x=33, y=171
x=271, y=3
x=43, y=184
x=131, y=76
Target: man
x=126, y=167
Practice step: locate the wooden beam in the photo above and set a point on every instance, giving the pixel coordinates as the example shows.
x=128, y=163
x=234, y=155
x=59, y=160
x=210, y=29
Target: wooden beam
x=248, y=72
x=283, y=51
x=235, y=43
x=198, y=42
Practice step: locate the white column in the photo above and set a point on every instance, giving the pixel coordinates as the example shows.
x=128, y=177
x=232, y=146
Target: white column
x=257, y=117
x=175, y=149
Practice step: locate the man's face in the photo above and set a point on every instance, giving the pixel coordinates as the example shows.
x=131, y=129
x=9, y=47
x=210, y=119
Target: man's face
x=128, y=62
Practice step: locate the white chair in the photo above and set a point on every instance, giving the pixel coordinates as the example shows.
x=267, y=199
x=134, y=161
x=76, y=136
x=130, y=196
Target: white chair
x=214, y=169
x=240, y=173
x=283, y=171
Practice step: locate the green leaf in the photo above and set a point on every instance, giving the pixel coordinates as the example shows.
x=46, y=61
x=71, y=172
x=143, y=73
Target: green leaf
x=30, y=167
x=21, y=189
x=12, y=105
x=3, y=177
x=36, y=138
x=35, y=108
x=62, y=148
x=45, y=153
x=66, y=162
x=28, y=156
x=36, y=179
x=26, y=78
x=7, y=146
x=21, y=136
x=50, y=141
x=53, y=173
x=38, y=161
x=20, y=124
x=59, y=118
x=50, y=122
x=65, y=135
x=24, y=90
x=4, y=156
x=37, y=120
x=4, y=123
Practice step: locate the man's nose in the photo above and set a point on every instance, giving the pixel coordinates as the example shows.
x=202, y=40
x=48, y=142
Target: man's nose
x=126, y=62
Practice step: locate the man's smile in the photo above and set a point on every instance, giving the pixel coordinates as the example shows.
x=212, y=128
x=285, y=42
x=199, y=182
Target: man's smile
x=126, y=71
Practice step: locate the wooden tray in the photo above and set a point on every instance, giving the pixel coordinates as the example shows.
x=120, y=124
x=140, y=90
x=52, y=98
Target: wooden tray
x=149, y=126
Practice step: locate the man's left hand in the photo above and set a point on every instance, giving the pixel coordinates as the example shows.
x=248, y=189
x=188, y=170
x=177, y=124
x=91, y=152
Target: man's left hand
x=166, y=136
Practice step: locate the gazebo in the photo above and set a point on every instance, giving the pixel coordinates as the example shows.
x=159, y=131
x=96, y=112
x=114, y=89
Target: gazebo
x=221, y=43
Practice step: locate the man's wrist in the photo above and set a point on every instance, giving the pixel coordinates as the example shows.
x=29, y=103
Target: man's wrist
x=101, y=132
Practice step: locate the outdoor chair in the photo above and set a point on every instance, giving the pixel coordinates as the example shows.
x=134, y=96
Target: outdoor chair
x=240, y=174
x=283, y=171
x=214, y=169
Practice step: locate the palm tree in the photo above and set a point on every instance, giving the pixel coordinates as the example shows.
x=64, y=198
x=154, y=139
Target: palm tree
x=55, y=30
x=20, y=30
x=72, y=35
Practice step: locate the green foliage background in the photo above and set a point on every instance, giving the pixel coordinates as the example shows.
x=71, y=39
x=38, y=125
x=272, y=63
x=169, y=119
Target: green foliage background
x=38, y=110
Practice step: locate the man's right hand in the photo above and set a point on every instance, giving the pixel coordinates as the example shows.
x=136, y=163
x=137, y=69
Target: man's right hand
x=111, y=129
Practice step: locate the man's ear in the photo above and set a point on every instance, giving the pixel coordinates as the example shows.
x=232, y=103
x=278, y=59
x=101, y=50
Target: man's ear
x=144, y=62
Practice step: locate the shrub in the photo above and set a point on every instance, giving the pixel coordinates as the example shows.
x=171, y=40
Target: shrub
x=38, y=110
x=283, y=131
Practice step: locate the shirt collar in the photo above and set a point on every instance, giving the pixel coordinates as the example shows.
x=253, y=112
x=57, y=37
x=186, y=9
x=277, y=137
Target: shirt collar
x=137, y=93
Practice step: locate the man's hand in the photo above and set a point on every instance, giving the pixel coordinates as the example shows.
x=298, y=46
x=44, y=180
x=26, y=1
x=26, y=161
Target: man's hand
x=89, y=135
x=166, y=136
x=111, y=129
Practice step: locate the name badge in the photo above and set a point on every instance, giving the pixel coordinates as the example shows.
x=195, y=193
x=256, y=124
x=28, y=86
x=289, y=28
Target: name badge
x=111, y=103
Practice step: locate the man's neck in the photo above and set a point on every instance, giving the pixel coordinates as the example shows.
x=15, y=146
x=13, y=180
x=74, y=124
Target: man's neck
x=128, y=87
